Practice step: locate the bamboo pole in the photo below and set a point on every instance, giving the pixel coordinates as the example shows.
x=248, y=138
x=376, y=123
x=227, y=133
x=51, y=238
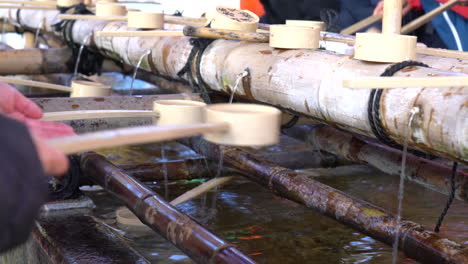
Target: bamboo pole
x=416, y=242
x=133, y=135
x=350, y=147
x=308, y=82
x=35, y=84
x=420, y=21
x=32, y=3
x=361, y=24
x=28, y=7
x=29, y=40
x=93, y=114
x=201, y=189
x=405, y=82
x=91, y=17
x=146, y=33
x=198, y=243
x=213, y=33
x=172, y=170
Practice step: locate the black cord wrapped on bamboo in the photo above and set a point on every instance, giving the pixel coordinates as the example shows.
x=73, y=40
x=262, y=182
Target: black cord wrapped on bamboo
x=198, y=243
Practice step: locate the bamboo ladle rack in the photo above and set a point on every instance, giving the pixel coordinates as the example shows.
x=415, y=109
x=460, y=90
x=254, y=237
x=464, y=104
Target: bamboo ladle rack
x=230, y=124
x=77, y=89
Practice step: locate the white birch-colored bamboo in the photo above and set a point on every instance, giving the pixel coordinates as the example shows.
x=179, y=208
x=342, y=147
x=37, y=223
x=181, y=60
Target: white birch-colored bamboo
x=309, y=82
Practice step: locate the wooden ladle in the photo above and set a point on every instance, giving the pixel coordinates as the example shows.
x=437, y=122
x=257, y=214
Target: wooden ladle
x=230, y=124
x=77, y=89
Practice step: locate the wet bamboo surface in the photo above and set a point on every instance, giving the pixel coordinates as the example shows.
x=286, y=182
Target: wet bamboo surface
x=201, y=245
x=429, y=174
x=415, y=240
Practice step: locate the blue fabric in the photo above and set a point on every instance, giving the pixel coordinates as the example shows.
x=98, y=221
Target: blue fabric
x=441, y=25
x=353, y=11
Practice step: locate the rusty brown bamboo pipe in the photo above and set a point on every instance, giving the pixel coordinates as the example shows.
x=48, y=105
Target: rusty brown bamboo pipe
x=422, y=171
x=417, y=243
x=198, y=243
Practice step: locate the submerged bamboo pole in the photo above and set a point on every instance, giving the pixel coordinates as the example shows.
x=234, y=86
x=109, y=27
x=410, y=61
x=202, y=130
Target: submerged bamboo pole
x=201, y=245
x=429, y=174
x=308, y=82
x=415, y=241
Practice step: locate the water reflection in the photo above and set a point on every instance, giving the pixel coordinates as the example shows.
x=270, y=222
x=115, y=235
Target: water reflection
x=274, y=230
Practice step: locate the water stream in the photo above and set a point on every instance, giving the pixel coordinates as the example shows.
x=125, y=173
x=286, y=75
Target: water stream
x=85, y=40
x=36, y=35
x=164, y=170
x=3, y=31
x=414, y=111
x=241, y=75
x=137, y=66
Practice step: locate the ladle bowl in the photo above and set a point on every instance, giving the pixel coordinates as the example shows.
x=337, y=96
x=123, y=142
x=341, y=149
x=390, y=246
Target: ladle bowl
x=89, y=89
x=249, y=124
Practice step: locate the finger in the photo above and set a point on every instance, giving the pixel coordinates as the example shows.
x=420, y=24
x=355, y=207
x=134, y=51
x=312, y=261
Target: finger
x=6, y=98
x=26, y=106
x=49, y=130
x=53, y=161
x=17, y=116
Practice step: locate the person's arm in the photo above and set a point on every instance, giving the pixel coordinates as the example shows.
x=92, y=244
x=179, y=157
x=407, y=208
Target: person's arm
x=23, y=186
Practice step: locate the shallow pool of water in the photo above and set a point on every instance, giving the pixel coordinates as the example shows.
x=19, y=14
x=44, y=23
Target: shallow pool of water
x=273, y=230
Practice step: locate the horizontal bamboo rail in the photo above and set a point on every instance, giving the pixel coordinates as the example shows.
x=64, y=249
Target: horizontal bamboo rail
x=415, y=241
x=198, y=243
x=347, y=146
x=308, y=82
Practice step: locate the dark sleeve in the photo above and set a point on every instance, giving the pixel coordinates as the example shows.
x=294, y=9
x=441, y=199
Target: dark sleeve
x=23, y=186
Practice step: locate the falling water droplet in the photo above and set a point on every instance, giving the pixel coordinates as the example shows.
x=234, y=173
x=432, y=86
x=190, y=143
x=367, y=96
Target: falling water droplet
x=414, y=111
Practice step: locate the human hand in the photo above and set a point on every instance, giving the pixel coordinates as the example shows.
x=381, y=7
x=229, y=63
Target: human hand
x=379, y=9
x=15, y=105
x=54, y=162
x=12, y=102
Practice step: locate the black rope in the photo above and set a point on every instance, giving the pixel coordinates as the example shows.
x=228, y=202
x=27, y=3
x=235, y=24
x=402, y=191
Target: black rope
x=290, y=123
x=199, y=47
x=373, y=108
x=453, y=188
x=90, y=62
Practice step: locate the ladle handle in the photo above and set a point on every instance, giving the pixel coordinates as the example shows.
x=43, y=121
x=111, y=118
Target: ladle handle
x=392, y=16
x=38, y=3
x=28, y=7
x=93, y=114
x=407, y=82
x=361, y=24
x=133, y=135
x=90, y=17
x=35, y=84
x=153, y=33
x=415, y=24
